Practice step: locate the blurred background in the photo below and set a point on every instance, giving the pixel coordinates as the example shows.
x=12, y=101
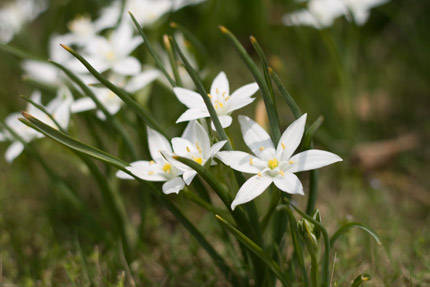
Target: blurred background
x=370, y=82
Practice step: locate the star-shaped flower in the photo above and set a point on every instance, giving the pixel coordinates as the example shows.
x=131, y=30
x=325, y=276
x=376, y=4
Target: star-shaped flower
x=270, y=164
x=159, y=168
x=194, y=144
x=221, y=99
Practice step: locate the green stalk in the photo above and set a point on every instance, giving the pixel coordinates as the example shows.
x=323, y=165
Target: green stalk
x=151, y=50
x=285, y=94
x=314, y=269
x=252, y=246
x=111, y=119
x=193, y=74
x=144, y=115
x=172, y=59
x=268, y=100
x=344, y=228
x=298, y=250
x=326, y=256
x=276, y=196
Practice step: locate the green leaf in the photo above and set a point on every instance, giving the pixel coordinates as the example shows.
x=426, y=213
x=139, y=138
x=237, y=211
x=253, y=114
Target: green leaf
x=347, y=226
x=257, y=250
x=309, y=134
x=71, y=143
x=268, y=100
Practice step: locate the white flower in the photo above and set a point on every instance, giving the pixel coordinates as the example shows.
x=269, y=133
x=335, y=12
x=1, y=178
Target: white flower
x=59, y=108
x=322, y=13
x=109, y=99
x=194, y=144
x=221, y=99
x=15, y=14
x=270, y=164
x=113, y=52
x=158, y=169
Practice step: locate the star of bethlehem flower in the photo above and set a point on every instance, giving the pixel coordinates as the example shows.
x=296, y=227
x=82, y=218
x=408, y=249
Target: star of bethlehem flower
x=59, y=108
x=223, y=102
x=270, y=164
x=159, y=168
x=195, y=144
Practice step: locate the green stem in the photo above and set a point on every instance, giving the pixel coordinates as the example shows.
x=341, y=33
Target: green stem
x=285, y=94
x=173, y=61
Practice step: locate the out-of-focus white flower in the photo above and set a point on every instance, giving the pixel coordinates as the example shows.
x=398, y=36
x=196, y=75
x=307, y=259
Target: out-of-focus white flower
x=159, y=168
x=194, y=144
x=146, y=12
x=15, y=14
x=82, y=31
x=270, y=164
x=112, y=53
x=223, y=102
x=322, y=13
x=59, y=108
x=109, y=99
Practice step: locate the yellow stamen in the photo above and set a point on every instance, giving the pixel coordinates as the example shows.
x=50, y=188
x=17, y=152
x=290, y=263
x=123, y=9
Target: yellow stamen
x=167, y=167
x=261, y=148
x=199, y=160
x=188, y=149
x=197, y=146
x=250, y=161
x=223, y=94
x=210, y=96
x=151, y=162
x=217, y=91
x=283, y=145
x=281, y=172
x=273, y=163
x=150, y=172
x=291, y=161
x=226, y=98
x=259, y=174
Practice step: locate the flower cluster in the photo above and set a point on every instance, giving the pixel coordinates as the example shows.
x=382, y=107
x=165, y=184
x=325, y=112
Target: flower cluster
x=322, y=13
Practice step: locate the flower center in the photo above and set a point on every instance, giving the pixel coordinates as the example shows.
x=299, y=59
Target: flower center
x=273, y=163
x=199, y=160
x=167, y=168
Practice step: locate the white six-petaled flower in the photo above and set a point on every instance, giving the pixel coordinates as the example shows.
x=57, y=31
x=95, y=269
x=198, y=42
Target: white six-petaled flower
x=159, y=168
x=272, y=164
x=223, y=102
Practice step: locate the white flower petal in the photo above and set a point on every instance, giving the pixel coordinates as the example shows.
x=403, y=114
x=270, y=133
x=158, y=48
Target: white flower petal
x=256, y=138
x=154, y=173
x=190, y=98
x=220, y=85
x=312, y=159
x=225, y=122
x=188, y=176
x=241, y=161
x=192, y=114
x=182, y=146
x=157, y=143
x=291, y=138
x=252, y=188
x=215, y=148
x=13, y=151
x=289, y=183
x=173, y=186
x=141, y=80
x=82, y=105
x=200, y=138
x=241, y=97
x=127, y=66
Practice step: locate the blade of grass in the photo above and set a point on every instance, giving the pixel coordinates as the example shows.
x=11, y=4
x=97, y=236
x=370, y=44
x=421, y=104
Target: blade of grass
x=172, y=59
x=347, y=226
x=268, y=100
x=144, y=115
x=285, y=94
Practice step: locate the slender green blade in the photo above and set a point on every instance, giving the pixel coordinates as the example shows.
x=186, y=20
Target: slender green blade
x=347, y=226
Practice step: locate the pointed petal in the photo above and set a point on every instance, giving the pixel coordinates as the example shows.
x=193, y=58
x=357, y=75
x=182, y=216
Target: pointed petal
x=252, y=188
x=188, y=176
x=200, y=138
x=289, y=183
x=241, y=161
x=82, y=105
x=215, y=148
x=241, y=97
x=192, y=114
x=189, y=98
x=291, y=138
x=141, y=80
x=173, y=186
x=220, y=85
x=256, y=138
x=151, y=172
x=225, y=122
x=182, y=147
x=157, y=143
x=127, y=66
x=312, y=159
x=13, y=151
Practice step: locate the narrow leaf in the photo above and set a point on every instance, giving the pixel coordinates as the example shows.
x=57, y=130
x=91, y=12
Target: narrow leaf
x=285, y=94
x=347, y=226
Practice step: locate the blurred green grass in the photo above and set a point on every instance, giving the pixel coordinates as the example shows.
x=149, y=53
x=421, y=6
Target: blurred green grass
x=384, y=65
